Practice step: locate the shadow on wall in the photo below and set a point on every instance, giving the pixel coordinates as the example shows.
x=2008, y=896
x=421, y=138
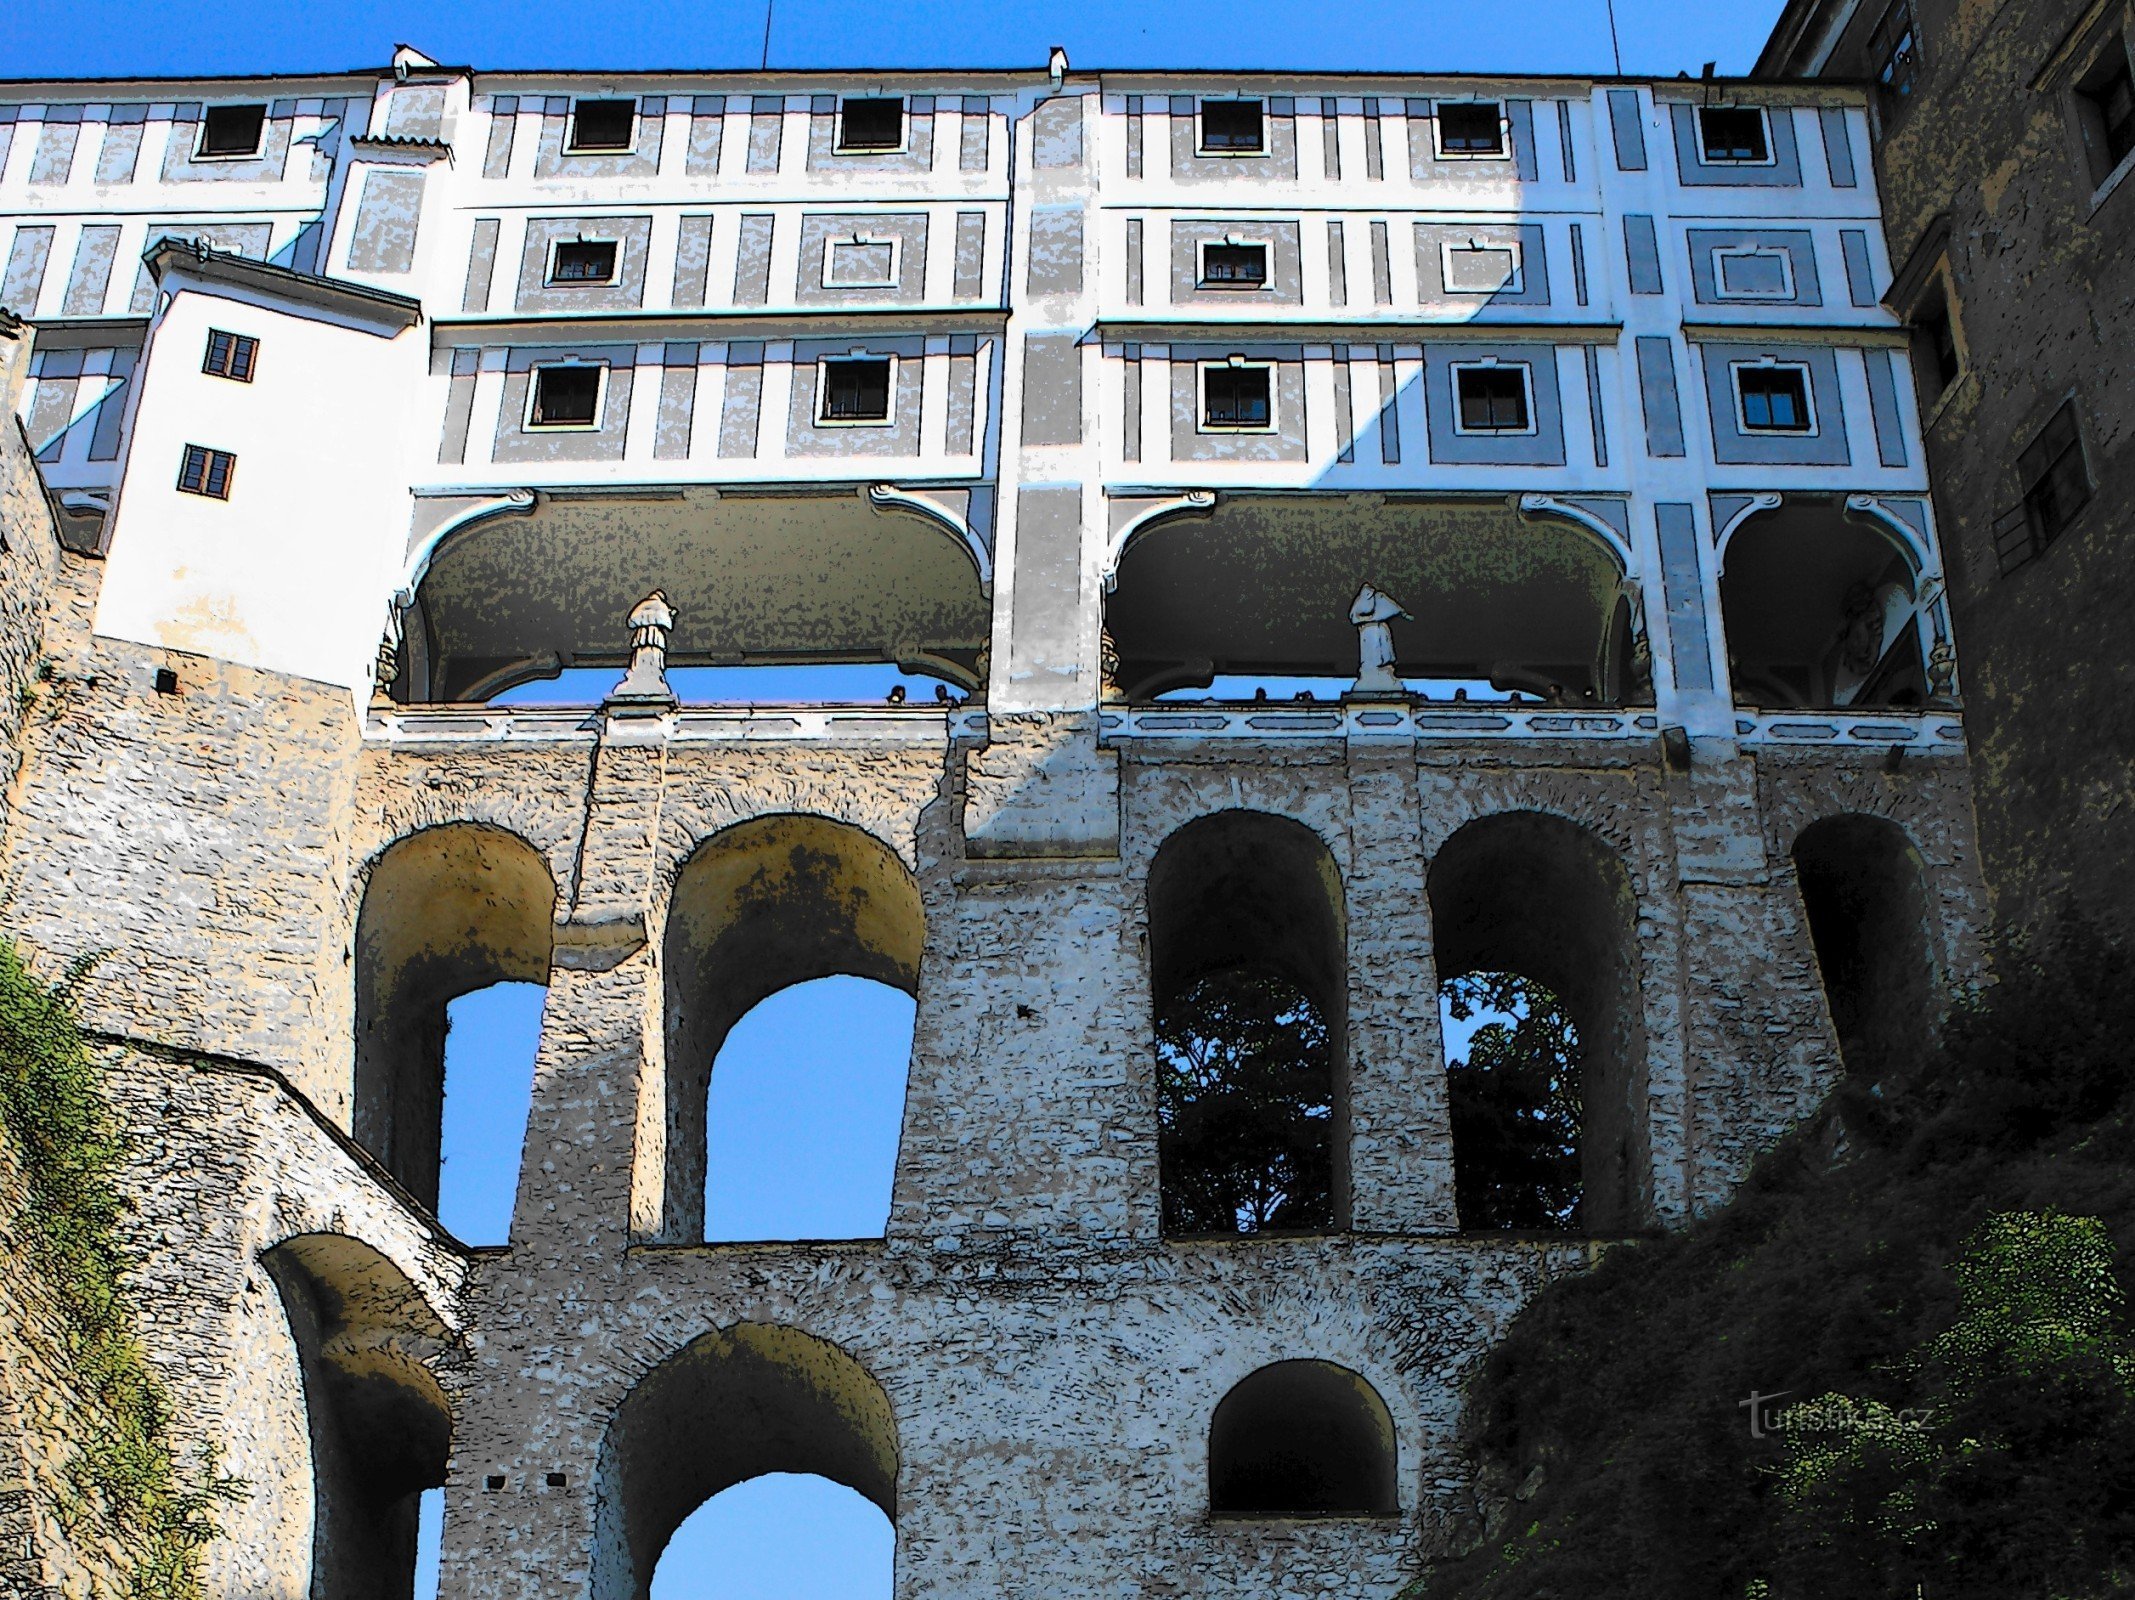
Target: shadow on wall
x=1864, y=888
x=1302, y=1439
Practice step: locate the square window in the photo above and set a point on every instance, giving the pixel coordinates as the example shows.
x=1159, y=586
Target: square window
x=1733, y=136
x=1751, y=272
x=230, y=355
x=2106, y=98
x=870, y=125
x=1233, y=128
x=207, y=472
x=855, y=389
x=1774, y=399
x=1894, y=50
x=1470, y=128
x=1234, y=266
x=2056, y=485
x=231, y=133
x=860, y=264
x=1492, y=399
x=602, y=126
x=566, y=396
x=584, y=261
x=1237, y=399
x=1476, y=268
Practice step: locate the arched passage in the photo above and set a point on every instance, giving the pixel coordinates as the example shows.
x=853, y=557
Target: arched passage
x=760, y=907
x=1864, y=889
x=1302, y=1439
x=446, y=911
x=730, y=1407
x=1248, y=971
x=1542, y=898
x=379, y=1427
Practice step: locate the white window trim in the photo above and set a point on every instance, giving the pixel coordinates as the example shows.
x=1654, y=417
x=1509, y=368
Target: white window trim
x=253, y=154
x=1201, y=147
x=533, y=394
x=1720, y=290
x=1771, y=145
x=1490, y=364
x=1220, y=429
x=1735, y=369
x=1504, y=129
x=1201, y=246
x=571, y=146
x=838, y=146
x=1516, y=285
x=888, y=419
x=894, y=241
x=551, y=281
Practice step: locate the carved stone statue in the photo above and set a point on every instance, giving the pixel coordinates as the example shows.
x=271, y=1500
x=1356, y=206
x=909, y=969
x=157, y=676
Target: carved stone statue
x=387, y=670
x=645, y=686
x=1374, y=613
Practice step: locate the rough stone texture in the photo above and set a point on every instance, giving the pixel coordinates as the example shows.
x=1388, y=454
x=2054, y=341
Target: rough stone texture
x=29, y=561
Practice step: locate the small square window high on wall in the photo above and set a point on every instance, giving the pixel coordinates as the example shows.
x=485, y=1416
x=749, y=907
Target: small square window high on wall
x=1774, y=399
x=206, y=472
x=2105, y=103
x=584, y=261
x=602, y=126
x=870, y=124
x=1236, y=399
x=1894, y=50
x=1233, y=128
x=566, y=396
x=1492, y=399
x=230, y=355
x=855, y=389
x=1733, y=136
x=1234, y=266
x=231, y=133
x=1471, y=128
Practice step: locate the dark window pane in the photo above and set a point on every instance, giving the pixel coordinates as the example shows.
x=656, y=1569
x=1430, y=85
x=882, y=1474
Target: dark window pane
x=1938, y=344
x=875, y=123
x=2056, y=485
x=1774, y=400
x=206, y=472
x=1237, y=397
x=602, y=124
x=229, y=355
x=1232, y=125
x=1492, y=399
x=856, y=390
x=232, y=130
x=585, y=261
x=2112, y=98
x=1472, y=130
x=1242, y=266
x=566, y=397
x=1733, y=133
x=1893, y=50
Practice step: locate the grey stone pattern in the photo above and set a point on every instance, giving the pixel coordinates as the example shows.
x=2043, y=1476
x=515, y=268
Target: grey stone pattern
x=416, y=111
x=752, y=258
x=1826, y=447
x=1048, y=574
x=1277, y=164
x=59, y=375
x=9, y=116
x=1284, y=442
x=1387, y=423
x=1052, y=389
x=821, y=232
x=387, y=216
x=1345, y=427
x=741, y=414
x=237, y=238
x=1883, y=407
x=1135, y=264
x=1337, y=265
x=916, y=156
x=1627, y=130
x=1689, y=642
x=1544, y=447
x=678, y=402
x=28, y=254
x=517, y=442
x=1425, y=165
x=975, y=141
x=1374, y=142
x=57, y=137
x=1567, y=155
x=1055, y=260
x=459, y=406
x=1659, y=398
x=1860, y=267
x=1524, y=241
x=968, y=279
x=1783, y=171
x=767, y=124
x=1056, y=133
x=1837, y=130
x=481, y=264
x=707, y=128
x=1382, y=266
x=1130, y=444
x=805, y=436
x=1579, y=293
x=503, y=129
x=95, y=249
x=120, y=158
x=1597, y=411
x=1759, y=272
x=961, y=421
x=110, y=412
x=693, y=260
x=180, y=164
x=1282, y=238
x=633, y=236
x=642, y=160
x=1642, y=254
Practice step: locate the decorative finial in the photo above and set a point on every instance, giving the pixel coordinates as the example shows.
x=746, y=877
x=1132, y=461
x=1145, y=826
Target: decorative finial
x=644, y=690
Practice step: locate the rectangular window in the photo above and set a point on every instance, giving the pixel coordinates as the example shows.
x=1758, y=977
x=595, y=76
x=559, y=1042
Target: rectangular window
x=231, y=133
x=566, y=396
x=855, y=389
x=230, y=355
x=1231, y=265
x=602, y=126
x=1936, y=346
x=1734, y=136
x=2106, y=98
x=1894, y=50
x=1478, y=268
x=1774, y=399
x=1233, y=128
x=870, y=125
x=860, y=264
x=1468, y=128
x=1237, y=398
x=207, y=472
x=584, y=261
x=2056, y=485
x=1492, y=399
x=1753, y=272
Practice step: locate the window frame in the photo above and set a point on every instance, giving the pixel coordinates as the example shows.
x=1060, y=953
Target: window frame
x=1937, y=303
x=531, y=423
x=549, y=279
x=571, y=144
x=839, y=146
x=1904, y=47
x=1812, y=424
x=1448, y=248
x=1203, y=423
x=2042, y=537
x=2106, y=170
x=243, y=345
x=1706, y=158
x=824, y=363
x=1720, y=291
x=207, y=456
x=893, y=281
x=1211, y=152
x=1525, y=371
x=1503, y=152
x=1202, y=280
x=201, y=152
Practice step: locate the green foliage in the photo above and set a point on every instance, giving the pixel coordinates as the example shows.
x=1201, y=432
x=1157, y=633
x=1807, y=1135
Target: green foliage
x=1515, y=1102
x=1245, y=1106
x=1933, y=1258
x=53, y=1109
